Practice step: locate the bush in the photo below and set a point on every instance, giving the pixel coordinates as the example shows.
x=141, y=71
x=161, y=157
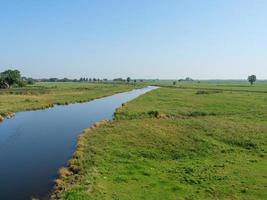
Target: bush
x=30, y=82
x=201, y=92
x=197, y=113
x=153, y=113
x=22, y=83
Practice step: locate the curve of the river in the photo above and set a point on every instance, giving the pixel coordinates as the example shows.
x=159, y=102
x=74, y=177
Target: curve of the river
x=35, y=144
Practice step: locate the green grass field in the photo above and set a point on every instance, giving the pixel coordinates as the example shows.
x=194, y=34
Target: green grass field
x=175, y=143
x=44, y=95
x=229, y=85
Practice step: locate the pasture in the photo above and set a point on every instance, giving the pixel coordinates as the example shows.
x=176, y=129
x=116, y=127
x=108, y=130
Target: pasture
x=176, y=143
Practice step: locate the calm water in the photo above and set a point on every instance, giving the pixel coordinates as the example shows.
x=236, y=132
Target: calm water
x=35, y=144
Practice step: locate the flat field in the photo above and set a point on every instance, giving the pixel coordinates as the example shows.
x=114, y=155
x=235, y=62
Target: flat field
x=226, y=85
x=44, y=95
x=176, y=143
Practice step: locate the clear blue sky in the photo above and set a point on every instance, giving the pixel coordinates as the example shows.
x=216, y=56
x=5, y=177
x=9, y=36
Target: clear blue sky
x=203, y=39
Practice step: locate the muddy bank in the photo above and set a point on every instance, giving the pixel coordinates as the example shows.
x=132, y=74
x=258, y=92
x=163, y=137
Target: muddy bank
x=8, y=115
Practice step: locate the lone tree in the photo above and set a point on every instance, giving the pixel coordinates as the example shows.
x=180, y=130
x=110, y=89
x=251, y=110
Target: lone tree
x=128, y=80
x=9, y=78
x=252, y=79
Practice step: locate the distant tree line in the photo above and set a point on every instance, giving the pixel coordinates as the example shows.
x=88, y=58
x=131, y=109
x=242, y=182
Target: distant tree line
x=128, y=80
x=84, y=79
x=11, y=78
x=187, y=79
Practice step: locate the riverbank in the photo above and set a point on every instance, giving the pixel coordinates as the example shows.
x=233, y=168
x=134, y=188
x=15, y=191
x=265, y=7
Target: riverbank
x=73, y=168
x=171, y=144
x=46, y=95
x=45, y=140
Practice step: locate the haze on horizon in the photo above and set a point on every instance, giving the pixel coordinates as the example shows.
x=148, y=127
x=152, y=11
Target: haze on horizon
x=211, y=39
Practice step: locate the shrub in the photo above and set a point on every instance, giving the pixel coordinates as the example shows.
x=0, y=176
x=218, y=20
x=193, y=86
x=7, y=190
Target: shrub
x=197, y=113
x=202, y=92
x=153, y=113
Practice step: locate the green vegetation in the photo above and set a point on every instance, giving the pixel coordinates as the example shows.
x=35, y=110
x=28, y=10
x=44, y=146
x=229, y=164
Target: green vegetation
x=175, y=143
x=9, y=78
x=44, y=95
x=235, y=85
x=252, y=79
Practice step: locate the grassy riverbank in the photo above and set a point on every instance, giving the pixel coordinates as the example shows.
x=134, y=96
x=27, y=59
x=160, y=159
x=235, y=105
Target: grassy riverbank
x=175, y=144
x=44, y=95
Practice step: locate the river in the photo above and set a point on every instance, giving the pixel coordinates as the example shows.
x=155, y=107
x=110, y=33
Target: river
x=35, y=144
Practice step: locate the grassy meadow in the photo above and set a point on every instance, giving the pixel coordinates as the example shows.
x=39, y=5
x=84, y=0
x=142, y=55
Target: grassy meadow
x=225, y=85
x=176, y=143
x=44, y=95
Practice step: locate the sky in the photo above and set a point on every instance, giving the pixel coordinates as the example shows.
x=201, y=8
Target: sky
x=167, y=39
